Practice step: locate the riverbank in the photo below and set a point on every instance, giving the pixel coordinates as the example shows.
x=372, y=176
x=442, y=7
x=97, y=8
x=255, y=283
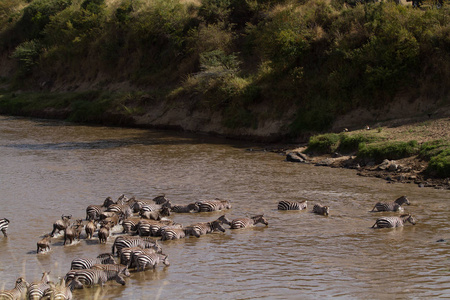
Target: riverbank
x=412, y=169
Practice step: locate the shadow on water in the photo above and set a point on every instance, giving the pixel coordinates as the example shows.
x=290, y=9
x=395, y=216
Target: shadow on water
x=144, y=137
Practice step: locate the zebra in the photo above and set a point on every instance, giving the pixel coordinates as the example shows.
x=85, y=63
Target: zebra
x=18, y=292
x=160, y=199
x=4, y=223
x=61, y=291
x=390, y=222
x=155, y=215
x=191, y=207
x=213, y=205
x=112, y=267
x=121, y=209
x=142, y=260
x=93, y=211
x=172, y=233
x=90, y=277
x=36, y=290
x=199, y=229
x=292, y=205
x=321, y=210
x=129, y=224
x=127, y=254
x=391, y=206
x=151, y=227
x=248, y=222
x=134, y=241
x=87, y=263
x=61, y=224
x=44, y=244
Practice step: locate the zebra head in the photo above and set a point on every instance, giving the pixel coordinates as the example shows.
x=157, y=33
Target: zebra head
x=217, y=226
x=402, y=200
x=125, y=271
x=107, y=258
x=108, y=201
x=21, y=284
x=410, y=219
x=165, y=260
x=194, y=206
x=224, y=220
x=260, y=219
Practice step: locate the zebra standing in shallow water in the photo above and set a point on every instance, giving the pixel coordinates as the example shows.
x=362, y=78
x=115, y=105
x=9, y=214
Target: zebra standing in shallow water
x=292, y=205
x=89, y=277
x=87, y=263
x=321, y=210
x=4, y=223
x=134, y=241
x=392, y=206
x=36, y=289
x=18, y=292
x=199, y=229
x=142, y=260
x=248, y=222
x=390, y=222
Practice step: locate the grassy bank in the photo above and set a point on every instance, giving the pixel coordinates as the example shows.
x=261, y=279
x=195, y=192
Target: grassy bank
x=248, y=60
x=376, y=146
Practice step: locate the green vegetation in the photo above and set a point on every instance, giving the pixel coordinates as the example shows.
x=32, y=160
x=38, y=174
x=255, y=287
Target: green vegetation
x=320, y=58
x=387, y=150
x=438, y=154
x=342, y=143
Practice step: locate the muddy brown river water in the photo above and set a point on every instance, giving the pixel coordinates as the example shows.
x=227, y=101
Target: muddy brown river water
x=52, y=168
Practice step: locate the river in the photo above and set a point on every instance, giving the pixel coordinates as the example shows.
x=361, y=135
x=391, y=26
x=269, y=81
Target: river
x=50, y=168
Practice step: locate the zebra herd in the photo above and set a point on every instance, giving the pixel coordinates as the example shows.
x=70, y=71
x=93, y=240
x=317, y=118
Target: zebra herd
x=143, y=224
x=384, y=222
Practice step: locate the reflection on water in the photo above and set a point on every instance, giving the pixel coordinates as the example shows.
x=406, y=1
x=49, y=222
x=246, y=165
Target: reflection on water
x=53, y=168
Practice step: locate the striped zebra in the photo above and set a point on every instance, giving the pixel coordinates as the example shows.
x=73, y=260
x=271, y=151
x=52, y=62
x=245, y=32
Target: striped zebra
x=90, y=277
x=199, y=229
x=61, y=291
x=127, y=254
x=37, y=289
x=129, y=224
x=123, y=210
x=93, y=211
x=172, y=233
x=321, y=210
x=391, y=206
x=134, y=241
x=191, y=207
x=4, y=223
x=112, y=267
x=18, y=292
x=160, y=199
x=248, y=222
x=390, y=222
x=87, y=263
x=142, y=260
x=151, y=227
x=292, y=205
x=213, y=205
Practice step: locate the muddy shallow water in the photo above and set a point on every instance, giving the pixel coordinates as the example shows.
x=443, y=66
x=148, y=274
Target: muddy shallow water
x=52, y=168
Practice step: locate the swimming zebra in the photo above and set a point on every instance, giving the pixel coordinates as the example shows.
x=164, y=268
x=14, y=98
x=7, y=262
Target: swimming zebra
x=292, y=205
x=36, y=290
x=199, y=229
x=123, y=210
x=112, y=267
x=134, y=241
x=321, y=210
x=151, y=227
x=155, y=215
x=391, y=206
x=390, y=222
x=142, y=260
x=18, y=292
x=129, y=224
x=248, y=222
x=172, y=233
x=87, y=263
x=191, y=207
x=212, y=205
x=160, y=199
x=4, y=223
x=90, y=277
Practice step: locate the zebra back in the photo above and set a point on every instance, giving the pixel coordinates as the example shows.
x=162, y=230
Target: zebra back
x=292, y=205
x=212, y=205
x=36, y=290
x=87, y=263
x=391, y=222
x=112, y=267
x=172, y=233
x=191, y=207
x=142, y=260
x=18, y=292
x=4, y=223
x=89, y=277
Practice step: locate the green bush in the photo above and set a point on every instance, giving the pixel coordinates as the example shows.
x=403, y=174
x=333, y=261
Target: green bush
x=324, y=143
x=433, y=148
x=387, y=150
x=27, y=54
x=439, y=165
x=351, y=143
